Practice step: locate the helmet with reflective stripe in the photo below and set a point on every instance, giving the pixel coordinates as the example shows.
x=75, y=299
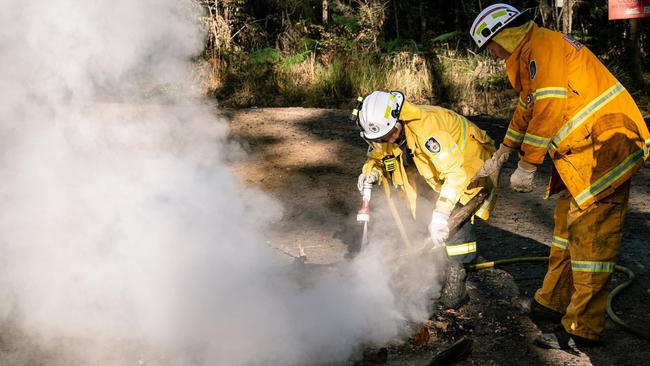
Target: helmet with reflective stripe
x=491, y=20
x=379, y=113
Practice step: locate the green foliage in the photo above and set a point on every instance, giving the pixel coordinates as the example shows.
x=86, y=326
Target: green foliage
x=292, y=60
x=400, y=44
x=492, y=82
x=447, y=37
x=265, y=56
x=333, y=86
x=276, y=52
x=346, y=24
x=582, y=36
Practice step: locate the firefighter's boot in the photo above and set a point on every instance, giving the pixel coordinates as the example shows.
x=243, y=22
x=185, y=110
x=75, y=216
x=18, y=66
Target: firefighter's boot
x=453, y=294
x=540, y=312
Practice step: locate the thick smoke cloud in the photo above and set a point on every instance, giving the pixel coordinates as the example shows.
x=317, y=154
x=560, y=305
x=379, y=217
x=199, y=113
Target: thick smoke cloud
x=124, y=237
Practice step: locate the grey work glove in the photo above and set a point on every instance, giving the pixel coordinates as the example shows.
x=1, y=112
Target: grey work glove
x=439, y=229
x=367, y=179
x=522, y=179
x=492, y=167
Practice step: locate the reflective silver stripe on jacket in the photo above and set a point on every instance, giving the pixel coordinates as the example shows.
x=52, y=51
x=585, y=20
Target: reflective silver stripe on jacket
x=582, y=115
x=606, y=180
x=550, y=92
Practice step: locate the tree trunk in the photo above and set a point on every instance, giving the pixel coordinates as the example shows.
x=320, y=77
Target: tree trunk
x=325, y=10
x=423, y=20
x=395, y=13
x=558, y=8
x=634, y=50
x=567, y=16
x=546, y=12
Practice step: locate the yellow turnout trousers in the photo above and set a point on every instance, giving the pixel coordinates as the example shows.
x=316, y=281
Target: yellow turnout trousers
x=583, y=254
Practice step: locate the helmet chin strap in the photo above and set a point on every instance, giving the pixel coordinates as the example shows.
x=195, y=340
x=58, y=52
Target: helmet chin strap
x=365, y=139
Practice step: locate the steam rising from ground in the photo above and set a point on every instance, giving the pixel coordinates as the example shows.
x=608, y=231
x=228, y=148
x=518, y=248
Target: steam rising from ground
x=123, y=235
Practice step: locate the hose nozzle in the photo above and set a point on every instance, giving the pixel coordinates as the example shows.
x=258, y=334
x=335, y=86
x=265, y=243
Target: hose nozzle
x=364, y=212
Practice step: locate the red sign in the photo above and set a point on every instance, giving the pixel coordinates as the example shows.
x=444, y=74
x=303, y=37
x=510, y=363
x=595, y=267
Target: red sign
x=626, y=9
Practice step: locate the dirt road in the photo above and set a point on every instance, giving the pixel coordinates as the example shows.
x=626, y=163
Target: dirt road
x=309, y=160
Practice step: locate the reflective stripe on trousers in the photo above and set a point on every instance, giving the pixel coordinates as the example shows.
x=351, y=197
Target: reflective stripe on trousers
x=462, y=246
x=576, y=279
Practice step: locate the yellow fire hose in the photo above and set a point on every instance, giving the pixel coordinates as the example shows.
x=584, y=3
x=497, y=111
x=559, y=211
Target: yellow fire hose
x=393, y=211
x=610, y=311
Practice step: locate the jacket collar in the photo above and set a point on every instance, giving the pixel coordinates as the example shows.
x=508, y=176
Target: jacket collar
x=512, y=63
x=409, y=112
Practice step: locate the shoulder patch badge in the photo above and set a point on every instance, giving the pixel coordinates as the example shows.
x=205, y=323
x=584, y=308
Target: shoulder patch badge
x=432, y=145
x=573, y=42
x=532, y=67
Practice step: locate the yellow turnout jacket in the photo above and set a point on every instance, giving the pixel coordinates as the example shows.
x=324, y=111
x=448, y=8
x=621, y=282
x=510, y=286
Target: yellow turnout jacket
x=571, y=107
x=447, y=151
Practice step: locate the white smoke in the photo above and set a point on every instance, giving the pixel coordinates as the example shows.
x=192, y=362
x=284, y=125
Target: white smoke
x=123, y=234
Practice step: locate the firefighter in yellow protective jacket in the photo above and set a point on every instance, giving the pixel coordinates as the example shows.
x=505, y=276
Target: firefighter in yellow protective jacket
x=446, y=150
x=571, y=107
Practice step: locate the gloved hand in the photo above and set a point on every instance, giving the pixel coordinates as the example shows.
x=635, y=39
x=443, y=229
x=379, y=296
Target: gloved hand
x=439, y=228
x=370, y=179
x=522, y=179
x=492, y=167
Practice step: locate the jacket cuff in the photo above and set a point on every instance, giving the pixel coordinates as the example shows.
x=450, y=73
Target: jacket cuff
x=444, y=206
x=510, y=144
x=526, y=166
x=503, y=149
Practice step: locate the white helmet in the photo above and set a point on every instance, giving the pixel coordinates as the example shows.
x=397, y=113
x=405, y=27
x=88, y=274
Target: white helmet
x=379, y=113
x=491, y=20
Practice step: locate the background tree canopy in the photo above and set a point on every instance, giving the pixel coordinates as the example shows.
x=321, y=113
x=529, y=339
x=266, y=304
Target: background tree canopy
x=323, y=53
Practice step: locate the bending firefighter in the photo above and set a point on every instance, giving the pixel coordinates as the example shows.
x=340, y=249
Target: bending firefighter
x=573, y=109
x=446, y=150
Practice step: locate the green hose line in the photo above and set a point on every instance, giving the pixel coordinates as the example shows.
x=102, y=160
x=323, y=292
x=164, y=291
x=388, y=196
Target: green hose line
x=610, y=298
x=507, y=261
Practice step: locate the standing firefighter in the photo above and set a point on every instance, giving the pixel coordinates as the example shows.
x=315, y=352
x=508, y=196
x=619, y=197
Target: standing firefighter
x=447, y=150
x=571, y=107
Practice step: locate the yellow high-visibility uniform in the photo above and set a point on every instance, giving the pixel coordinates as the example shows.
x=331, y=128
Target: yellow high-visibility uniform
x=574, y=109
x=447, y=151
x=582, y=260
